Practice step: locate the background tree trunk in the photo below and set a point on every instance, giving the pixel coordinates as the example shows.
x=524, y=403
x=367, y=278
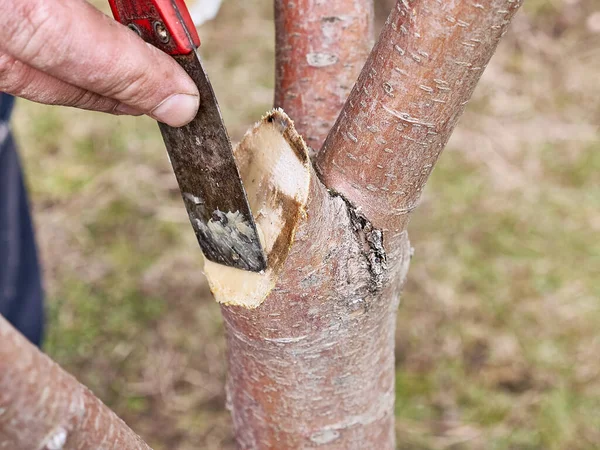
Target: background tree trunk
x=321, y=47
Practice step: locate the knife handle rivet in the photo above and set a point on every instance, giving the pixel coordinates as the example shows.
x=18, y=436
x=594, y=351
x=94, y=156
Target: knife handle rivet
x=133, y=27
x=161, y=32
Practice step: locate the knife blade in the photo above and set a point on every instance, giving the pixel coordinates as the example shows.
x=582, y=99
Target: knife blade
x=201, y=153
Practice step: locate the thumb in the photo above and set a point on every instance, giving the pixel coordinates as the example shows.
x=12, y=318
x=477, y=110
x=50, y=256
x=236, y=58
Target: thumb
x=76, y=43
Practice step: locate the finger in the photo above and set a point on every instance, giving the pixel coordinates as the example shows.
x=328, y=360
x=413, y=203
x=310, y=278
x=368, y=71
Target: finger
x=23, y=81
x=76, y=43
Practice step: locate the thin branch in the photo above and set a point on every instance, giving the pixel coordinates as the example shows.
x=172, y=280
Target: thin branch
x=321, y=47
x=44, y=408
x=407, y=101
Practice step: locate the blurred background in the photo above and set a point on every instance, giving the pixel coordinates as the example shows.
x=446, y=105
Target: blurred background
x=498, y=341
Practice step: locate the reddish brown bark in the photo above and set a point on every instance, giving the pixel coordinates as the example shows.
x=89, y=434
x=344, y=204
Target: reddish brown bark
x=321, y=47
x=44, y=408
x=313, y=366
x=407, y=101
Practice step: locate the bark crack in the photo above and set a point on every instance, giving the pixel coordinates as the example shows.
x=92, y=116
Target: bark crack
x=371, y=239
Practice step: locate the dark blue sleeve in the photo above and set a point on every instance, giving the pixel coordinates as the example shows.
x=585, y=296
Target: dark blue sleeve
x=21, y=295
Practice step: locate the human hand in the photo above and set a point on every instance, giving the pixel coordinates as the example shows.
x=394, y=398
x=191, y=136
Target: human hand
x=66, y=52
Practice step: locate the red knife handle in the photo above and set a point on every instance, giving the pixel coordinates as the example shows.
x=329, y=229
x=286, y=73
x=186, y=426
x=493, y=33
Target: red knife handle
x=166, y=24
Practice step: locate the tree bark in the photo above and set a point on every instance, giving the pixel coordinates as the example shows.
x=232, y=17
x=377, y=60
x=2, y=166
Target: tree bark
x=321, y=46
x=406, y=102
x=44, y=408
x=313, y=365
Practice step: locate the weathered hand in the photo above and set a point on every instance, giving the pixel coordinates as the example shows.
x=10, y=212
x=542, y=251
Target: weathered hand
x=66, y=52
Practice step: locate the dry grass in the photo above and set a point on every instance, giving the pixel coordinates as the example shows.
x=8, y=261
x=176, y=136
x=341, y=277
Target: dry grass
x=497, y=335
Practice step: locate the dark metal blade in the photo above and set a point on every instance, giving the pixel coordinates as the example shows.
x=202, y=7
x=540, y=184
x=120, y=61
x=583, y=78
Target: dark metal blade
x=202, y=158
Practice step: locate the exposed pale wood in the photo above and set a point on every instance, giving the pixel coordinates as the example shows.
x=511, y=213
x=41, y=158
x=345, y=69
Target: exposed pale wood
x=44, y=408
x=275, y=169
x=321, y=47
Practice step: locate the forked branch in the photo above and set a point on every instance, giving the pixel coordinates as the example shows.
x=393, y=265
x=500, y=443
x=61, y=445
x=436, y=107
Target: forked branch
x=407, y=100
x=312, y=366
x=311, y=343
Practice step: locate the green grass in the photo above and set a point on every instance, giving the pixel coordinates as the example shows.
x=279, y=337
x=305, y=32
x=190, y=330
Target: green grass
x=497, y=338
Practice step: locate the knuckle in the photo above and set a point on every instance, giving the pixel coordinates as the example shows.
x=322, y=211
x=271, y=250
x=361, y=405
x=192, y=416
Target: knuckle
x=80, y=98
x=13, y=77
x=7, y=64
x=35, y=31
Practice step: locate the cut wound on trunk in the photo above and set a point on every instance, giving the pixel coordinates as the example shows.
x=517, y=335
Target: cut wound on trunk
x=273, y=162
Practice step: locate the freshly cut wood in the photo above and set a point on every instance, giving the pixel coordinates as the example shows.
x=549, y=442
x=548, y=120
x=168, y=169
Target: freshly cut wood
x=273, y=162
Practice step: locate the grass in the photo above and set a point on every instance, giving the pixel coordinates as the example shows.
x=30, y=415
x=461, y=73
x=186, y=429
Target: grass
x=497, y=338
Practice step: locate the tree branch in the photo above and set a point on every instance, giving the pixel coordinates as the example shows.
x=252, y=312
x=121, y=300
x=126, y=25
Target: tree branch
x=321, y=47
x=42, y=407
x=407, y=101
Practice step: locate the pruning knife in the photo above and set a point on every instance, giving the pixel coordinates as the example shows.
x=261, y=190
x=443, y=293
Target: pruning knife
x=200, y=152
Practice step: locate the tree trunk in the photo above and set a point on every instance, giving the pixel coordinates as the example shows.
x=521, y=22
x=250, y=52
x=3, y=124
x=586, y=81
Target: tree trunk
x=310, y=341
x=313, y=365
